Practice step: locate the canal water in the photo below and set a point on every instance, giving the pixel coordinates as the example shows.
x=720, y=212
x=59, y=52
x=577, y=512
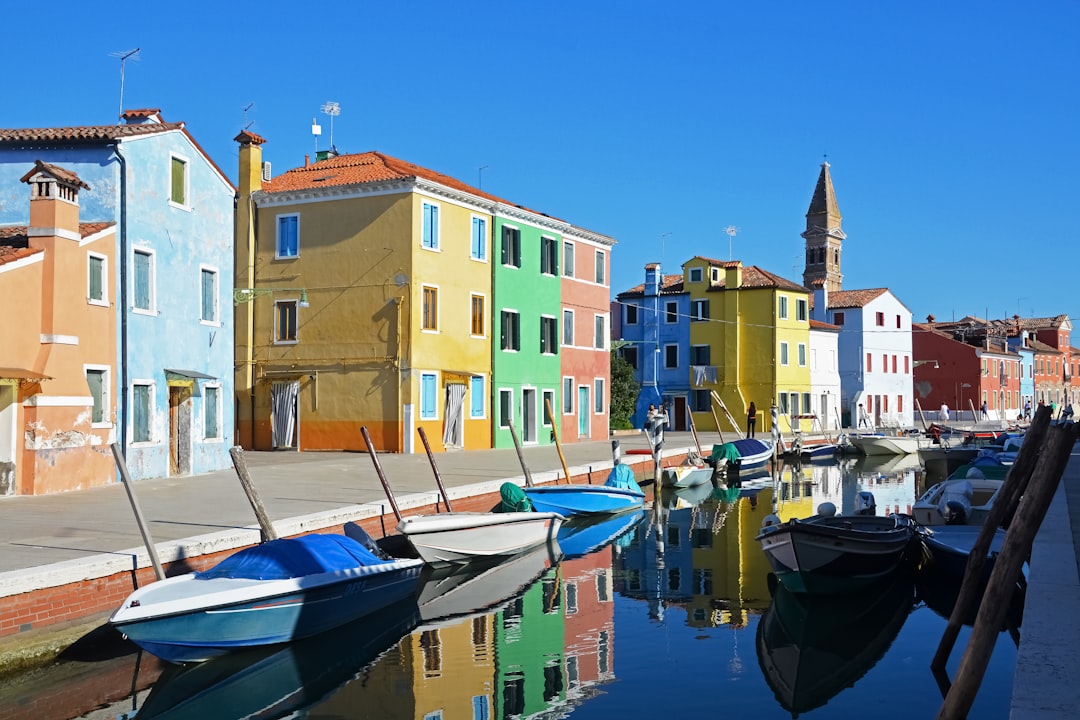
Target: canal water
x=669, y=610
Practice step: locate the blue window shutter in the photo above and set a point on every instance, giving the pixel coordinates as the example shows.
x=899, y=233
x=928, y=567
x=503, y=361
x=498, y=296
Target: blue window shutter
x=288, y=238
x=427, y=397
x=476, y=399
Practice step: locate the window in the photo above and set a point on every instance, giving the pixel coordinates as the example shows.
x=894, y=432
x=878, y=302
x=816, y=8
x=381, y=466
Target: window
x=800, y=309
x=144, y=280
x=600, y=335
x=511, y=246
x=806, y=403
x=510, y=336
x=630, y=355
x=699, y=309
x=696, y=275
x=285, y=319
x=793, y=404
x=631, y=314
x=897, y=322
x=671, y=312
x=477, y=396
x=178, y=186
x=478, y=326
x=428, y=396
x=212, y=414
x=699, y=354
x=700, y=400
x=802, y=354
x=481, y=708
x=141, y=402
x=782, y=313
x=879, y=319
x=601, y=270
x=430, y=234
x=549, y=335
x=288, y=236
x=598, y=396
x=479, y=239
x=548, y=402
x=783, y=408
x=429, y=316
x=506, y=407
x=899, y=403
x=549, y=256
x=894, y=363
x=907, y=366
x=97, y=273
x=783, y=353
x=671, y=356
x=209, y=295
x=838, y=318
x=568, y=328
x=568, y=259
x=869, y=362
x=568, y=396
x=98, y=381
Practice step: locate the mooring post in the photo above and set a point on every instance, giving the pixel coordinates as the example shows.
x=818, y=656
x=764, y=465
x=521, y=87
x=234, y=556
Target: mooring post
x=268, y=532
x=521, y=455
x=379, y=472
x=435, y=469
x=555, y=434
x=143, y=529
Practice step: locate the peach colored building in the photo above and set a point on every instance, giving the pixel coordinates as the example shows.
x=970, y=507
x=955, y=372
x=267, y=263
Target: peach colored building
x=57, y=367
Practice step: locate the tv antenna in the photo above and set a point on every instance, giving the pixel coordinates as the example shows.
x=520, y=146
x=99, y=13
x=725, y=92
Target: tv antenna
x=332, y=109
x=248, y=123
x=663, y=243
x=730, y=230
x=480, y=177
x=124, y=56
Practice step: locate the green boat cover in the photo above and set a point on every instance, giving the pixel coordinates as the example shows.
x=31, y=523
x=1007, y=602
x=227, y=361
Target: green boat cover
x=728, y=451
x=514, y=499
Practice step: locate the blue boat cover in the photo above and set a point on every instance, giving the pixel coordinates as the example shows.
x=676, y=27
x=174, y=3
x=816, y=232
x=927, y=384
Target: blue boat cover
x=733, y=451
x=622, y=477
x=293, y=557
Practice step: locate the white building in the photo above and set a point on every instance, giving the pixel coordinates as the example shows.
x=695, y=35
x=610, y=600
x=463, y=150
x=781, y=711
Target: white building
x=825, y=390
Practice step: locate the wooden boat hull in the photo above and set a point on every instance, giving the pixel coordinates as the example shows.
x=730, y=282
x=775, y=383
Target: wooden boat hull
x=837, y=554
x=462, y=537
x=569, y=500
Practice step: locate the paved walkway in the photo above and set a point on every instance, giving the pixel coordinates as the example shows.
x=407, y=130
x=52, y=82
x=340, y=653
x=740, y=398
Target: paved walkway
x=66, y=534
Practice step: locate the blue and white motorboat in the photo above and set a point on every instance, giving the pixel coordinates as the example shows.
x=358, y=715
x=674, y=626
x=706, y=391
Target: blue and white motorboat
x=747, y=452
x=569, y=500
x=280, y=591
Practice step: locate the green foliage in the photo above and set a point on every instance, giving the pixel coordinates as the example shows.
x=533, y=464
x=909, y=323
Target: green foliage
x=624, y=392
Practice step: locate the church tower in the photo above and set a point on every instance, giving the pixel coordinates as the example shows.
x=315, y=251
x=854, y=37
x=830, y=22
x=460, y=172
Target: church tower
x=823, y=235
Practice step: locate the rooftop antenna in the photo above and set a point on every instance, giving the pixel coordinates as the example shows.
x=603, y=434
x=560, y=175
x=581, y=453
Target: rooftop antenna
x=663, y=243
x=480, y=177
x=730, y=230
x=123, y=59
x=316, y=131
x=248, y=123
x=332, y=109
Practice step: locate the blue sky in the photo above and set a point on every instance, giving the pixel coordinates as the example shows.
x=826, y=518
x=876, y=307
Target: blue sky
x=950, y=127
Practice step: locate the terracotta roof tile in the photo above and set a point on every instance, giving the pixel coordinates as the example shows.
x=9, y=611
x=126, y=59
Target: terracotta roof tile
x=819, y=325
x=671, y=285
x=68, y=176
x=854, y=298
x=87, y=133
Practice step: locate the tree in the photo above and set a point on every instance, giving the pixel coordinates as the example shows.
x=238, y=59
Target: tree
x=624, y=392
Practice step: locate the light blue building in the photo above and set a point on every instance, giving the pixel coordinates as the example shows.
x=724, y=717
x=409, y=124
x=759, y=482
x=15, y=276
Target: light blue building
x=1019, y=345
x=173, y=209
x=652, y=321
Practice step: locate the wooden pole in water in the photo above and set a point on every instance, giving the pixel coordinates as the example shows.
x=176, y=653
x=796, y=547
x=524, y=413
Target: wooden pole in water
x=1000, y=514
x=379, y=472
x=521, y=455
x=693, y=430
x=435, y=469
x=1007, y=569
x=237, y=455
x=922, y=417
x=139, y=519
x=555, y=434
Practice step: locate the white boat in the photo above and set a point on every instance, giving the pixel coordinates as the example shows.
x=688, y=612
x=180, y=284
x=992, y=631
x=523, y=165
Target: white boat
x=959, y=501
x=888, y=444
x=459, y=537
x=686, y=475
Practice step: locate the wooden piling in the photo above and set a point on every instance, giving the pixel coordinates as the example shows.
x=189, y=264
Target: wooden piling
x=139, y=519
x=379, y=472
x=435, y=469
x=520, y=454
x=555, y=434
x=237, y=455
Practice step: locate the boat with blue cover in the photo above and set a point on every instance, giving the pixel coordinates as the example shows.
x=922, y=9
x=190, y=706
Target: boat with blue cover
x=276, y=592
x=618, y=494
x=747, y=452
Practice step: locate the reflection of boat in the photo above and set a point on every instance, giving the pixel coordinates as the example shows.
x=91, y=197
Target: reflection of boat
x=276, y=682
x=685, y=476
x=451, y=591
x=877, y=444
x=964, y=501
x=938, y=586
x=810, y=648
x=466, y=536
x=888, y=464
x=569, y=500
x=942, y=460
x=583, y=535
x=835, y=554
x=279, y=591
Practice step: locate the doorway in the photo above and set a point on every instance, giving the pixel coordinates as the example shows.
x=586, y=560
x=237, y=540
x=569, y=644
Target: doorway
x=283, y=411
x=528, y=415
x=583, y=410
x=180, y=429
x=454, y=412
x=8, y=410
x=678, y=417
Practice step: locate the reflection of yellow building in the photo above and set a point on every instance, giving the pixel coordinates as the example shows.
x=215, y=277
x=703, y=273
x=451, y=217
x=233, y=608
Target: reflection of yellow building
x=444, y=671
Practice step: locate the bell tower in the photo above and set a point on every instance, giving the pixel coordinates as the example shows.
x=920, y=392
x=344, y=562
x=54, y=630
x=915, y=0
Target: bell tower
x=823, y=235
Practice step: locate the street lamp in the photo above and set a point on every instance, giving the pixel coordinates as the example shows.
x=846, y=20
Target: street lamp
x=246, y=295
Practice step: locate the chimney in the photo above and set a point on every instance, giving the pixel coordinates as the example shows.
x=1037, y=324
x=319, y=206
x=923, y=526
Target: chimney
x=653, y=280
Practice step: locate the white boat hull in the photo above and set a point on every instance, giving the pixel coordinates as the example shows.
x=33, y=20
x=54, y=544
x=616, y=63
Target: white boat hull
x=887, y=444
x=462, y=537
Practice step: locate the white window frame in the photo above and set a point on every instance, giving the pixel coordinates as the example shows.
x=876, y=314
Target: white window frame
x=106, y=380
x=602, y=327
x=671, y=312
x=568, y=395
x=103, y=301
x=220, y=436
x=434, y=330
x=505, y=393
x=555, y=336
x=151, y=281
x=802, y=354
x=277, y=236
x=569, y=249
x=568, y=327
x=484, y=315
x=216, y=321
x=784, y=355
x=782, y=307
x=150, y=412
x=696, y=274
x=435, y=231
x=186, y=205
x=515, y=342
x=545, y=396
x=547, y=241
x=802, y=312
x=598, y=396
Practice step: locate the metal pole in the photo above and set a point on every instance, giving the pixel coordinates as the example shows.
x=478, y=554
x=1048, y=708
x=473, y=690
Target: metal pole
x=379, y=472
x=143, y=529
x=438, y=477
x=237, y=454
x=521, y=456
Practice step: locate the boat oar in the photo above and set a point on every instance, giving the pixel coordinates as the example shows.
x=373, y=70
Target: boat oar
x=435, y=469
x=143, y=529
x=521, y=456
x=237, y=455
x=555, y=434
x=379, y=472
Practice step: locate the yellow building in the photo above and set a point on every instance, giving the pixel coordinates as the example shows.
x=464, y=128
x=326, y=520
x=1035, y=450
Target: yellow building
x=749, y=339
x=363, y=290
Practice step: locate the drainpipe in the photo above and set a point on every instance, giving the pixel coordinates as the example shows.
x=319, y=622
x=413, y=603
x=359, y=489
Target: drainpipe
x=123, y=299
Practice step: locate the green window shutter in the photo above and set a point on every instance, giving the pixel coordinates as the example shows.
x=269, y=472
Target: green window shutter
x=97, y=278
x=179, y=174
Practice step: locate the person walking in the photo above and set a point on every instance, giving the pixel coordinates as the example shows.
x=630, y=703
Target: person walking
x=751, y=419
x=864, y=419
x=943, y=414
x=985, y=415
x=1027, y=411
